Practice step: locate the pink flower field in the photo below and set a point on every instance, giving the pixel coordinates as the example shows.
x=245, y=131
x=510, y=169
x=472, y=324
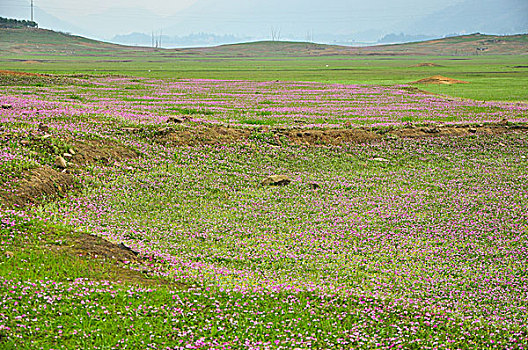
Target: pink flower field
x=410, y=243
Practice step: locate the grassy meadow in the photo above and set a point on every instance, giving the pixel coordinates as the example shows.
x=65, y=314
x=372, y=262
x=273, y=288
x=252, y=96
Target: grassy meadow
x=157, y=233
x=491, y=78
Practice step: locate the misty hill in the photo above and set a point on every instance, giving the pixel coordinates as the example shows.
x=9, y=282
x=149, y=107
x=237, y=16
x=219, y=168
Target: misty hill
x=458, y=46
x=44, y=41
x=40, y=41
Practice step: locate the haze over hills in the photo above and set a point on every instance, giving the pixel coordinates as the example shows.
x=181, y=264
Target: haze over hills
x=331, y=21
x=41, y=42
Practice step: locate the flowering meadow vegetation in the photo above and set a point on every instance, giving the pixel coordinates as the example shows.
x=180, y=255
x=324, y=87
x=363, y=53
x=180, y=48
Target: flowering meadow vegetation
x=399, y=243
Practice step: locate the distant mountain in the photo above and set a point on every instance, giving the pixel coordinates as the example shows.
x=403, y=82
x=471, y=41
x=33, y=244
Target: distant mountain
x=39, y=41
x=470, y=16
x=394, y=38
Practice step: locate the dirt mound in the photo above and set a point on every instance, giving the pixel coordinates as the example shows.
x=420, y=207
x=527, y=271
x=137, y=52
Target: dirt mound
x=94, y=247
x=203, y=135
x=48, y=183
x=331, y=136
x=192, y=136
x=211, y=135
x=439, y=79
x=20, y=74
x=426, y=64
x=114, y=258
x=36, y=184
x=104, y=151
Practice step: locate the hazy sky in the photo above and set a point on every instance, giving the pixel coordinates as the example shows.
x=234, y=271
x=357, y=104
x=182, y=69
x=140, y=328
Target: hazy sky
x=357, y=19
x=61, y=7
x=167, y=8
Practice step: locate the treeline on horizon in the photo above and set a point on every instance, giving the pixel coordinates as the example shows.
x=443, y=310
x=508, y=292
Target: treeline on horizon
x=16, y=23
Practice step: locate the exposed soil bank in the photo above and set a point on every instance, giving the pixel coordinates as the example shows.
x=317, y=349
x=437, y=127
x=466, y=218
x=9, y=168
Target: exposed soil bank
x=47, y=183
x=196, y=135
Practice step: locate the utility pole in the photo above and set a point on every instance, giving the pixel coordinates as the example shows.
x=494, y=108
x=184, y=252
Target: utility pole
x=31, y=10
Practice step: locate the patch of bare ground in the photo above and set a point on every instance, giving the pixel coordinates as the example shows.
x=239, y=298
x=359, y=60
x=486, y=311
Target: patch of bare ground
x=12, y=78
x=203, y=135
x=210, y=135
x=330, y=136
x=104, y=151
x=439, y=130
x=415, y=90
x=439, y=79
x=19, y=74
x=123, y=264
x=426, y=64
x=46, y=183
x=36, y=184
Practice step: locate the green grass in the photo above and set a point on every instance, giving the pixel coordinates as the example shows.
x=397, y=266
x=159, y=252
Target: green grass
x=490, y=77
x=52, y=299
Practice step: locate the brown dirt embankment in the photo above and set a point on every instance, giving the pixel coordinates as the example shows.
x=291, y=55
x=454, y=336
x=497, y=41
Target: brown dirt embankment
x=46, y=183
x=212, y=134
x=439, y=79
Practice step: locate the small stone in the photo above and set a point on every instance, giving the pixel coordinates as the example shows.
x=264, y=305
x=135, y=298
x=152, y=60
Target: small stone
x=379, y=159
x=71, y=151
x=276, y=180
x=7, y=106
x=24, y=142
x=314, y=185
x=67, y=155
x=175, y=119
x=473, y=130
x=125, y=247
x=431, y=130
x=9, y=254
x=47, y=136
x=61, y=162
x=131, y=130
x=43, y=128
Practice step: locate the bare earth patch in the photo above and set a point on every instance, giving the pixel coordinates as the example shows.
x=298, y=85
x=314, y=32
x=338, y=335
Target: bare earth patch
x=20, y=74
x=96, y=248
x=47, y=183
x=105, y=151
x=210, y=135
x=439, y=79
x=36, y=184
x=426, y=64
